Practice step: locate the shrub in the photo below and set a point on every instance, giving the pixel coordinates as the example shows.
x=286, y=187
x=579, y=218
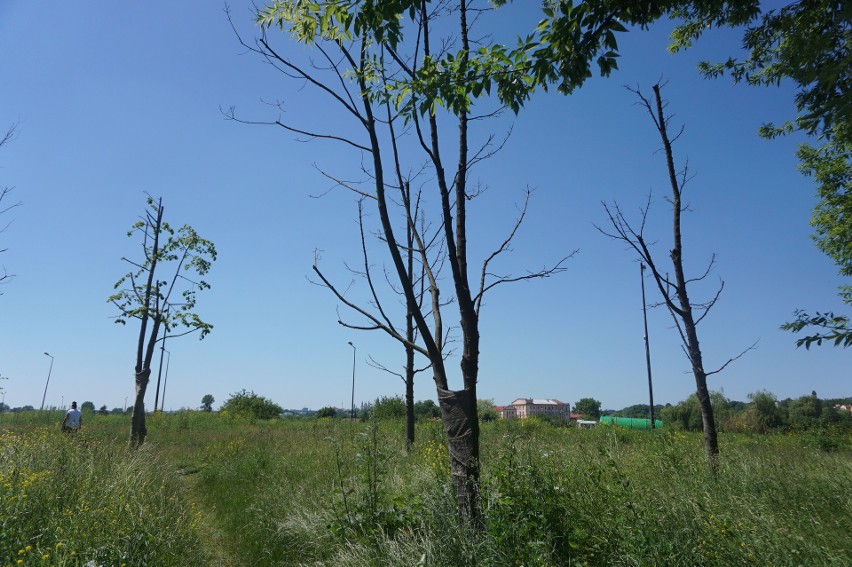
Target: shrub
x=327, y=411
x=388, y=407
x=248, y=404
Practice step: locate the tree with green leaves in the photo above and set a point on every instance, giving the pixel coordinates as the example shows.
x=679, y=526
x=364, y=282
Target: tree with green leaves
x=588, y=407
x=485, y=410
x=159, y=292
x=831, y=168
x=805, y=411
x=87, y=406
x=809, y=44
x=426, y=409
x=207, y=402
x=763, y=413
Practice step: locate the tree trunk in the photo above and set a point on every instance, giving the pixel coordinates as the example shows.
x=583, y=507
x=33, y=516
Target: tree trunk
x=708, y=421
x=458, y=411
x=138, y=431
x=409, y=401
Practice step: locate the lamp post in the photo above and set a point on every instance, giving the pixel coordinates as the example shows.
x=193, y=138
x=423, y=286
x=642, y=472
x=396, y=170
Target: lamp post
x=647, y=345
x=166, y=379
x=48, y=380
x=160, y=372
x=354, y=350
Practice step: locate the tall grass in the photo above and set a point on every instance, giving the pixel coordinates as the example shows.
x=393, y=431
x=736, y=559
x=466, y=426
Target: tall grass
x=329, y=492
x=67, y=499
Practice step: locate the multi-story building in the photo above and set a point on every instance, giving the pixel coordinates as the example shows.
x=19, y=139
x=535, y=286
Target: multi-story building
x=527, y=407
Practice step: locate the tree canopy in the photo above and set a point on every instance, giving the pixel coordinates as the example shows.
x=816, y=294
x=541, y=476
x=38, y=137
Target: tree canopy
x=809, y=44
x=588, y=407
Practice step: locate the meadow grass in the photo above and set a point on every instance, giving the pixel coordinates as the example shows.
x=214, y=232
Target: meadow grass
x=226, y=491
x=70, y=499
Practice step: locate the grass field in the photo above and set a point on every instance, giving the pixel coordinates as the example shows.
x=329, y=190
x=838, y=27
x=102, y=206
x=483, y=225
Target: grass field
x=208, y=490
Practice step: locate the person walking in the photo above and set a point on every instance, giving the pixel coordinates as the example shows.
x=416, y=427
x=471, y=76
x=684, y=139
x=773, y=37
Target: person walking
x=73, y=419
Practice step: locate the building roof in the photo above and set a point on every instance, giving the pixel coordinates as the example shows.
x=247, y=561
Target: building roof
x=537, y=402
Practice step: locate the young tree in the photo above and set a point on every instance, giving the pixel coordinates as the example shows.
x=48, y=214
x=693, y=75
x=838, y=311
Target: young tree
x=158, y=292
x=410, y=370
x=207, y=402
x=675, y=291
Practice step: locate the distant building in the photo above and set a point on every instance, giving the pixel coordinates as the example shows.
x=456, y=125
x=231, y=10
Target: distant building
x=523, y=408
x=506, y=412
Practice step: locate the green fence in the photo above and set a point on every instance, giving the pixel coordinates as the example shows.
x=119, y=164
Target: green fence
x=630, y=422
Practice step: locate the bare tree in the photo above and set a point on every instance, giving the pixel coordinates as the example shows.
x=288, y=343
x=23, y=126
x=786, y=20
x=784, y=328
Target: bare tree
x=169, y=302
x=377, y=80
x=410, y=370
x=5, y=205
x=675, y=291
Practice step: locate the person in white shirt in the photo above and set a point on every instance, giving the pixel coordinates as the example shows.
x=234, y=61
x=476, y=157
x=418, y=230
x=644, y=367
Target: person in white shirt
x=73, y=419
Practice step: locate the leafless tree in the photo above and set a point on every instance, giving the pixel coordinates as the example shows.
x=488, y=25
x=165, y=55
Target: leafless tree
x=674, y=291
x=362, y=75
x=410, y=369
x=5, y=204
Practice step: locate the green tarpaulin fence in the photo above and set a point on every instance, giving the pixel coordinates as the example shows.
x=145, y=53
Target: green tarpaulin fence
x=630, y=422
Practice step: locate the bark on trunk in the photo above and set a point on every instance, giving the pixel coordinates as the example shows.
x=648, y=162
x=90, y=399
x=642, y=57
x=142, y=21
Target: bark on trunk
x=458, y=411
x=708, y=420
x=138, y=431
x=409, y=408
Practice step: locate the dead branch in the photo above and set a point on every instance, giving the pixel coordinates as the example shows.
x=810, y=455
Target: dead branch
x=730, y=360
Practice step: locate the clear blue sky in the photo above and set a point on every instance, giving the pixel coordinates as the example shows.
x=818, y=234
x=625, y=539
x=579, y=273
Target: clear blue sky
x=111, y=103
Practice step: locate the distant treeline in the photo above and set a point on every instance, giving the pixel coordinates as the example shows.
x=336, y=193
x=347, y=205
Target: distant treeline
x=763, y=413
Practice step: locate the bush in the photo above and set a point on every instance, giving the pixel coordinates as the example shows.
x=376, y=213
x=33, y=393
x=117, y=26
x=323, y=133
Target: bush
x=327, y=411
x=248, y=404
x=388, y=407
x=426, y=409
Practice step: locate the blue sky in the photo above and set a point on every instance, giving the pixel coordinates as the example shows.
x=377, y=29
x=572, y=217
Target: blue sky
x=114, y=103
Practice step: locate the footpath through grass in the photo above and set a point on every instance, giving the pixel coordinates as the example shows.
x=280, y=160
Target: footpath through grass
x=210, y=490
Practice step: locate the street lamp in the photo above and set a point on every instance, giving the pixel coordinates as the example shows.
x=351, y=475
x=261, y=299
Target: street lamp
x=354, y=350
x=160, y=373
x=165, y=379
x=48, y=380
x=647, y=344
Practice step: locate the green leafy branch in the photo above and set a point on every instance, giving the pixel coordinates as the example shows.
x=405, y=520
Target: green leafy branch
x=837, y=328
